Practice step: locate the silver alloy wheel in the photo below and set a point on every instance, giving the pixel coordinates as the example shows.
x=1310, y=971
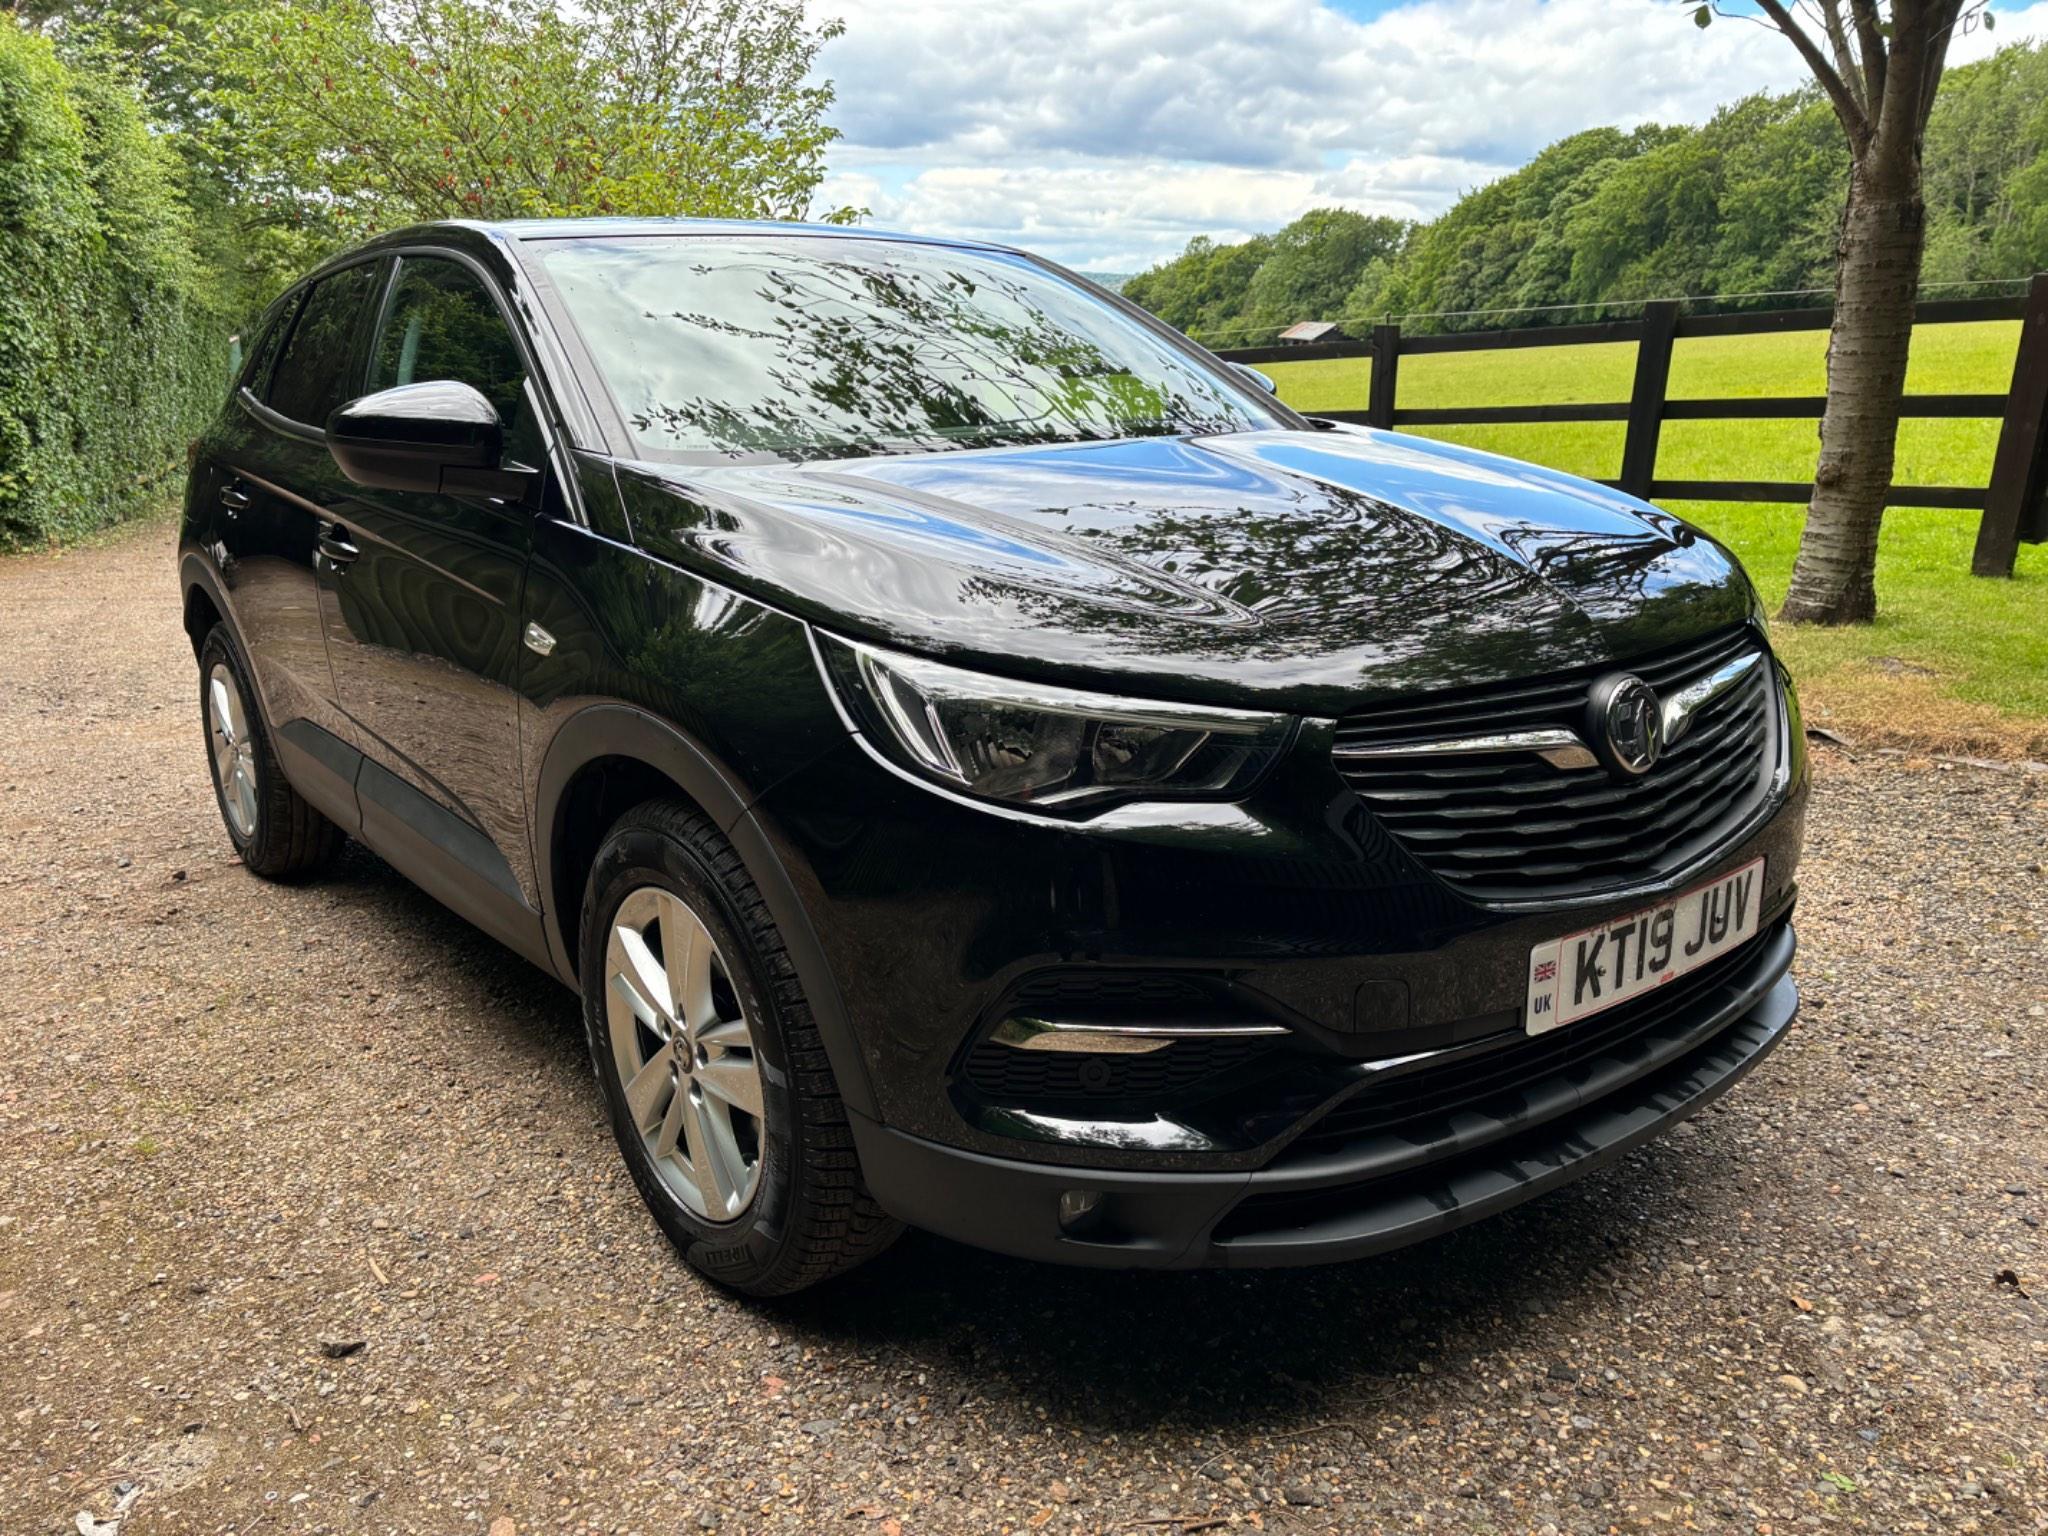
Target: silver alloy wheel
x=234, y=753
x=684, y=1051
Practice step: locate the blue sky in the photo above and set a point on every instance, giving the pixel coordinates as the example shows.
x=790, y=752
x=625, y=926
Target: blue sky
x=1107, y=133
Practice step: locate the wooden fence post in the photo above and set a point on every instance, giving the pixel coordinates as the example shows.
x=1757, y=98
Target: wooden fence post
x=1646, y=400
x=1386, y=368
x=2013, y=505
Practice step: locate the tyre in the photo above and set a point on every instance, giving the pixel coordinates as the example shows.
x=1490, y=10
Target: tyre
x=278, y=835
x=712, y=1068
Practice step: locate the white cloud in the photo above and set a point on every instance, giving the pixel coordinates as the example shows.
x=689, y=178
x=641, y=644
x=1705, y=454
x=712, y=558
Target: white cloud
x=1106, y=133
x=1123, y=215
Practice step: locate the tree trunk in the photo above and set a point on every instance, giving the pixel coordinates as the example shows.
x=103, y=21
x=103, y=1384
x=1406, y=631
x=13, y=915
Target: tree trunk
x=1883, y=229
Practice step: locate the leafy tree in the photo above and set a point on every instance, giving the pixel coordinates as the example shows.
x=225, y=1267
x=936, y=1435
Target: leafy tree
x=106, y=355
x=248, y=242
x=1314, y=263
x=1749, y=202
x=1203, y=290
x=1508, y=244
x=1880, y=67
x=1985, y=140
x=362, y=115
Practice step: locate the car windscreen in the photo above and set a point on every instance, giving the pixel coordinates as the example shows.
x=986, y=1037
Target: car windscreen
x=804, y=347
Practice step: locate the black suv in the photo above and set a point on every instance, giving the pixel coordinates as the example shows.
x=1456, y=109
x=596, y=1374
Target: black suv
x=984, y=762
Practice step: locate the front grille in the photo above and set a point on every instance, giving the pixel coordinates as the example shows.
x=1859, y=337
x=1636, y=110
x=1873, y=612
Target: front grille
x=1509, y=825
x=1517, y=1061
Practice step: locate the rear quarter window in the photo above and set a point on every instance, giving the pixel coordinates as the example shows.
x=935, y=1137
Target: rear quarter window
x=269, y=336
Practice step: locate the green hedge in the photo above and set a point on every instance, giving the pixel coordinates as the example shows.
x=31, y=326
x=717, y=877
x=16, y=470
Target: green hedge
x=109, y=358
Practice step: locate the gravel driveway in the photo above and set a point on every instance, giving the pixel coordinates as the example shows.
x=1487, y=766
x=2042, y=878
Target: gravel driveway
x=309, y=1222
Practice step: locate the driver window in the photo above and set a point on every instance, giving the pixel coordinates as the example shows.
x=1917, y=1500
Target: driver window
x=443, y=324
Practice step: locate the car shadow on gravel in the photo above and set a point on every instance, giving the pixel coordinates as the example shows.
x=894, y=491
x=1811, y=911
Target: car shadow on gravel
x=1118, y=1351
x=526, y=999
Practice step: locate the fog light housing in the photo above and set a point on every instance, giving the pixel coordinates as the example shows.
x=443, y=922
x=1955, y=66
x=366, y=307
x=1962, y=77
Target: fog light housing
x=1078, y=1210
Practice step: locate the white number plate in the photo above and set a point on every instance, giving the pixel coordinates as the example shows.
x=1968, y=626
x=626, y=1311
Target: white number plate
x=1582, y=973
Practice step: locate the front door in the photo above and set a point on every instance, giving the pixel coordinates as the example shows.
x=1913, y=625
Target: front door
x=423, y=621
x=275, y=480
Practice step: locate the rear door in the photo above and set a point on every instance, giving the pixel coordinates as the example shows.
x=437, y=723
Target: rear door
x=276, y=478
x=423, y=604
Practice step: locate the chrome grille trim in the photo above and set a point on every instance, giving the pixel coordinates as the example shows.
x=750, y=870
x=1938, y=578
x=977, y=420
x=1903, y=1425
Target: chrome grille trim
x=1501, y=823
x=1559, y=748
x=1680, y=707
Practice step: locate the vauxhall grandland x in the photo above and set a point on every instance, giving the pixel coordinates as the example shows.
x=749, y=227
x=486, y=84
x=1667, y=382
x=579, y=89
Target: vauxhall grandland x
x=984, y=762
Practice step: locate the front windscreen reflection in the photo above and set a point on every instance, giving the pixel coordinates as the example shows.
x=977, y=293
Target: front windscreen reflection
x=803, y=347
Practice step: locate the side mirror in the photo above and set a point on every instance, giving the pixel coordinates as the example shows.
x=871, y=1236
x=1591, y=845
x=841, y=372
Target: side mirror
x=440, y=437
x=1264, y=381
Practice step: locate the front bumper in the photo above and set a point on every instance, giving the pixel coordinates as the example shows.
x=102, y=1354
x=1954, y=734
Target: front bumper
x=1378, y=1193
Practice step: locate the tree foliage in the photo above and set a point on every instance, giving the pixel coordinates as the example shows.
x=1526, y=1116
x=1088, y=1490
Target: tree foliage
x=364, y=114
x=108, y=355
x=1748, y=202
x=167, y=165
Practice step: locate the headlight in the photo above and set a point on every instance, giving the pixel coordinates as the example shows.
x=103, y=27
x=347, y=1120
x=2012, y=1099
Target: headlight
x=1056, y=749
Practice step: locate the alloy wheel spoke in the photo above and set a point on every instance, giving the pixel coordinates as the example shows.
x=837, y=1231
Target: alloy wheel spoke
x=625, y=986
x=735, y=1079
x=647, y=978
x=727, y=1033
x=223, y=708
x=700, y=1135
x=648, y=1093
x=245, y=796
x=671, y=1130
x=690, y=1079
x=686, y=946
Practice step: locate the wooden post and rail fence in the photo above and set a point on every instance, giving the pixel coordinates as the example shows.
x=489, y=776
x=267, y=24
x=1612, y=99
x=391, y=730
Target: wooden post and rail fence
x=2014, y=504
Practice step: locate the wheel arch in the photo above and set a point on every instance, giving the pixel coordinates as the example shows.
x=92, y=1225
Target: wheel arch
x=608, y=758
x=204, y=604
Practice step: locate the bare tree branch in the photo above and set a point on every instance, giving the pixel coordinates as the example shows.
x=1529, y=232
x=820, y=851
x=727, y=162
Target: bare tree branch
x=1845, y=56
x=1870, y=45
x=1942, y=21
x=1854, y=121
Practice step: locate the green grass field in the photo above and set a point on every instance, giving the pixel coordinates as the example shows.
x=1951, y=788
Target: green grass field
x=1953, y=661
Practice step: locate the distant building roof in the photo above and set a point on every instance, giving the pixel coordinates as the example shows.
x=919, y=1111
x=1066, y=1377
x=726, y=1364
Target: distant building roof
x=1312, y=330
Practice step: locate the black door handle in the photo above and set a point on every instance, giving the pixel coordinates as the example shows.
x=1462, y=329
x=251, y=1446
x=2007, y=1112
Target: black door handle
x=233, y=496
x=334, y=543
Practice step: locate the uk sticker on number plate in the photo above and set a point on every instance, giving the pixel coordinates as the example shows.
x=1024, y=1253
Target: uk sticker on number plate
x=1583, y=973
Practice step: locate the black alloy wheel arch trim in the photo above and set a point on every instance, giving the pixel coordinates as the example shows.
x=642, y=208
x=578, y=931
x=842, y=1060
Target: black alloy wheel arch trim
x=624, y=731
x=196, y=571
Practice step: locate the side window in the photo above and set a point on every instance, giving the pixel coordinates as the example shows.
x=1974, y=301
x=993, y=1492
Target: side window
x=312, y=375
x=256, y=375
x=443, y=324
